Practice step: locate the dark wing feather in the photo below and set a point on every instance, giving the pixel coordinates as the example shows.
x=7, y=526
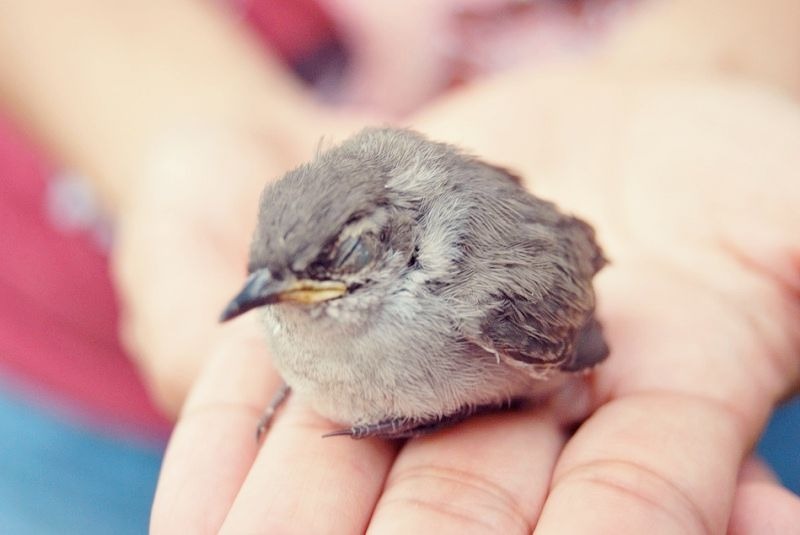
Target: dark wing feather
x=539, y=297
x=590, y=348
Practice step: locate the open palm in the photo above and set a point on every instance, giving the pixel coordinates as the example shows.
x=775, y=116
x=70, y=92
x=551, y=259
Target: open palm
x=693, y=191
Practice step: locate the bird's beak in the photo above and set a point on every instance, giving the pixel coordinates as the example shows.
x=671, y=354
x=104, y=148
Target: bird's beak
x=261, y=288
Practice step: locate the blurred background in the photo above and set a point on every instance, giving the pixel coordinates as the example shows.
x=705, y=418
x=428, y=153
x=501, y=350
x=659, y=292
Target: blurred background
x=81, y=441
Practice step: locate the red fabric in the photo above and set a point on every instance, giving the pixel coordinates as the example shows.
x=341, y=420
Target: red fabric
x=293, y=28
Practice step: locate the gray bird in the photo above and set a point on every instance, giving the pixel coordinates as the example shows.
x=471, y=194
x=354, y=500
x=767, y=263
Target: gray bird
x=406, y=285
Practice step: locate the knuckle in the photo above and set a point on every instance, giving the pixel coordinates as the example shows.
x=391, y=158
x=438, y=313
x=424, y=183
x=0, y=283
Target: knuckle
x=645, y=491
x=459, y=501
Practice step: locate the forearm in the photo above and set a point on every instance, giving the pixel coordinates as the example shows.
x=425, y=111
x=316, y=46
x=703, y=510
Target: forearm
x=100, y=83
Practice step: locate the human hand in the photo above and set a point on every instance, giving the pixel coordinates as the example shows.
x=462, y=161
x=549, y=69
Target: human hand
x=178, y=252
x=693, y=191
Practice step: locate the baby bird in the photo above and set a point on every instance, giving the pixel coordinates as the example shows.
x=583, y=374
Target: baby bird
x=405, y=285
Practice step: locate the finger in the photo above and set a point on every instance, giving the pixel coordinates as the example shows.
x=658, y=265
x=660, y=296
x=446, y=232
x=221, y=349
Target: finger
x=665, y=452
x=213, y=444
x=303, y=483
x=761, y=505
x=645, y=462
x=487, y=475
x=764, y=509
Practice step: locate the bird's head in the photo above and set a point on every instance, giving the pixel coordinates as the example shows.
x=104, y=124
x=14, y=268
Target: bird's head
x=331, y=229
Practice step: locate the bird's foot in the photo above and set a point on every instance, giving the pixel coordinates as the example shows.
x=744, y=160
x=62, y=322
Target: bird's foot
x=400, y=428
x=266, y=417
x=390, y=429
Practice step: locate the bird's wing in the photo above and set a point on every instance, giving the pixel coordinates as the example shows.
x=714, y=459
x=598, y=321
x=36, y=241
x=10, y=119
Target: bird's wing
x=537, y=309
x=519, y=336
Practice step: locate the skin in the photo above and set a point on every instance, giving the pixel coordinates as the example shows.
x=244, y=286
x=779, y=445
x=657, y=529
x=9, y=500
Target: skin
x=684, y=166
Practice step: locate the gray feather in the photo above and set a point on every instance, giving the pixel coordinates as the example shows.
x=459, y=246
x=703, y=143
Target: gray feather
x=478, y=289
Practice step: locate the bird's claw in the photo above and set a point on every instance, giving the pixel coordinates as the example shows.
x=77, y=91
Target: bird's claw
x=265, y=421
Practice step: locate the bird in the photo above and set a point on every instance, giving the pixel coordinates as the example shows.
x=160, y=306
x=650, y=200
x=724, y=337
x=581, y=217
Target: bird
x=405, y=285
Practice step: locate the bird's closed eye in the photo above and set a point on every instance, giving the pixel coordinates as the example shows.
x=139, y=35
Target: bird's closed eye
x=352, y=255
